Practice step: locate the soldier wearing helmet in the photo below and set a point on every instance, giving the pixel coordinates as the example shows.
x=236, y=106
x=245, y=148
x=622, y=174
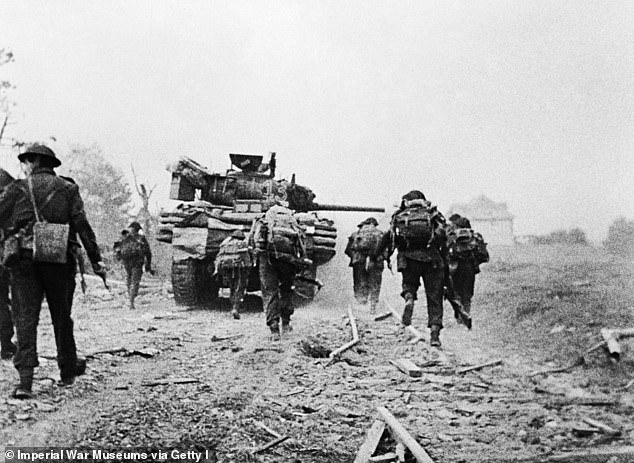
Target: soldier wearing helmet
x=134, y=252
x=44, y=196
x=418, y=234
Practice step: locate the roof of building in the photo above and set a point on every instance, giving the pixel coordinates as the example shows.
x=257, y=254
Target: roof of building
x=482, y=208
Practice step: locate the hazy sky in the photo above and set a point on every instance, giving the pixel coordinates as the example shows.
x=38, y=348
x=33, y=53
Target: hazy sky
x=528, y=102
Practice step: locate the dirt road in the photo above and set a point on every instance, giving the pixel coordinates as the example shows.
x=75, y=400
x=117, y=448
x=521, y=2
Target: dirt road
x=197, y=379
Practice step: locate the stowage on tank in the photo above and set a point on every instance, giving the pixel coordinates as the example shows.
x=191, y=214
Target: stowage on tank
x=214, y=205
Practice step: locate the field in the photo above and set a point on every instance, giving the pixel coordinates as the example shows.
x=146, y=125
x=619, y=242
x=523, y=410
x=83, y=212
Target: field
x=199, y=380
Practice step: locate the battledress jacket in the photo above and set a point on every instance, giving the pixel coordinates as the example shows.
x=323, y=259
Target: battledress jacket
x=435, y=253
x=64, y=206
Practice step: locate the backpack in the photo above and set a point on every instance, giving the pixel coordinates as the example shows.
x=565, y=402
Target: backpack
x=233, y=254
x=132, y=248
x=416, y=223
x=285, y=237
x=465, y=244
x=367, y=240
x=481, y=252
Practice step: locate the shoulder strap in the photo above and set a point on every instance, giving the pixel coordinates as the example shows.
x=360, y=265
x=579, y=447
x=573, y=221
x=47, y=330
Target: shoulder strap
x=29, y=181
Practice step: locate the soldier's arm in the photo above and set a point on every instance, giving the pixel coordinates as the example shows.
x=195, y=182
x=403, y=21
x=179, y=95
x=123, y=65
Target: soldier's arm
x=348, y=251
x=8, y=197
x=148, y=255
x=80, y=223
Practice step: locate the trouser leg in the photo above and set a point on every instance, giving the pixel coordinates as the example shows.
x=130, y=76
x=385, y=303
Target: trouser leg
x=6, y=321
x=136, y=273
x=433, y=275
x=464, y=283
x=270, y=287
x=27, y=293
x=57, y=285
x=375, y=279
x=360, y=283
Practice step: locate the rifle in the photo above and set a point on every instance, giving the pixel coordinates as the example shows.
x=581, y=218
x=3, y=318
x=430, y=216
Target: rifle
x=313, y=281
x=76, y=251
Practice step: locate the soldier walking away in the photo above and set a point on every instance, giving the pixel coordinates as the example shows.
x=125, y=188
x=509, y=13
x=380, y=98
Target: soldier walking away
x=368, y=249
x=417, y=231
x=466, y=251
x=7, y=348
x=135, y=254
x=43, y=211
x=233, y=265
x=278, y=241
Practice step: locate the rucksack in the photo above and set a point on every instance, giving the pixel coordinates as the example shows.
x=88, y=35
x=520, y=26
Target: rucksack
x=416, y=223
x=465, y=244
x=132, y=248
x=285, y=237
x=233, y=254
x=367, y=240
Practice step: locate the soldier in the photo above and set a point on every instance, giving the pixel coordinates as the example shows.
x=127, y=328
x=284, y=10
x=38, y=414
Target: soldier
x=278, y=242
x=44, y=197
x=418, y=234
x=466, y=251
x=233, y=265
x=7, y=348
x=367, y=249
x=135, y=252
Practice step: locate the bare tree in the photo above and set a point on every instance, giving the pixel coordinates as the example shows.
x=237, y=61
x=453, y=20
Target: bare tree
x=144, y=215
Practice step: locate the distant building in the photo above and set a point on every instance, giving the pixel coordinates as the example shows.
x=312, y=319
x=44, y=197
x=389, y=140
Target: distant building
x=491, y=219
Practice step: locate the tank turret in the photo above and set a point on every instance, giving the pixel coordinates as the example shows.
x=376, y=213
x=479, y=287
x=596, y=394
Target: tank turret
x=214, y=205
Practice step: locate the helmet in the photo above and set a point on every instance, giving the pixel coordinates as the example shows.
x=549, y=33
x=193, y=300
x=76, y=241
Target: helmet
x=369, y=221
x=414, y=194
x=453, y=218
x=135, y=226
x=42, y=151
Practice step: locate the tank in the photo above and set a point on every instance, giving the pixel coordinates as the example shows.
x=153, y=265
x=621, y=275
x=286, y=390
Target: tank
x=213, y=205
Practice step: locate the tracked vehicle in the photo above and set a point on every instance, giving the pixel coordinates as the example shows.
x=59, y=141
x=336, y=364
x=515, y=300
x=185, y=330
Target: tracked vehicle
x=213, y=205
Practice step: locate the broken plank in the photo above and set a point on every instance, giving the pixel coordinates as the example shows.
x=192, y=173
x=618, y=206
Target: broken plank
x=269, y=430
x=386, y=457
x=382, y=316
x=403, y=436
x=593, y=455
x=612, y=344
x=170, y=381
x=400, y=452
x=408, y=367
x=295, y=391
x=269, y=445
x=355, y=337
x=480, y=366
x=371, y=441
x=416, y=335
x=602, y=426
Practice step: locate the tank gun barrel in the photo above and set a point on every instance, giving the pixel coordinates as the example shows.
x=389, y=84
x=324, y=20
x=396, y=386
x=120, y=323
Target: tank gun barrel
x=337, y=207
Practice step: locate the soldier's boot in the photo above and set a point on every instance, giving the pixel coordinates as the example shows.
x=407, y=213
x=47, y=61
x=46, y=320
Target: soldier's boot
x=7, y=350
x=68, y=375
x=235, y=314
x=275, y=332
x=434, y=339
x=286, y=325
x=23, y=389
x=408, y=311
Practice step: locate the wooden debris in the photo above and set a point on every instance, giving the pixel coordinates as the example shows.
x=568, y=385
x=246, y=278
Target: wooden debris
x=578, y=362
x=480, y=366
x=602, y=426
x=267, y=429
x=591, y=455
x=383, y=316
x=295, y=391
x=386, y=457
x=215, y=338
x=371, y=442
x=403, y=436
x=269, y=445
x=400, y=452
x=408, y=367
x=164, y=382
x=416, y=335
x=611, y=339
x=116, y=350
x=355, y=338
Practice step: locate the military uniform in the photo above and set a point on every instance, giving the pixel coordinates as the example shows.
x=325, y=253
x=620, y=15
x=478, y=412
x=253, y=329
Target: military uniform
x=463, y=268
x=277, y=273
x=7, y=348
x=427, y=262
x=367, y=265
x=58, y=201
x=235, y=253
x=133, y=264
